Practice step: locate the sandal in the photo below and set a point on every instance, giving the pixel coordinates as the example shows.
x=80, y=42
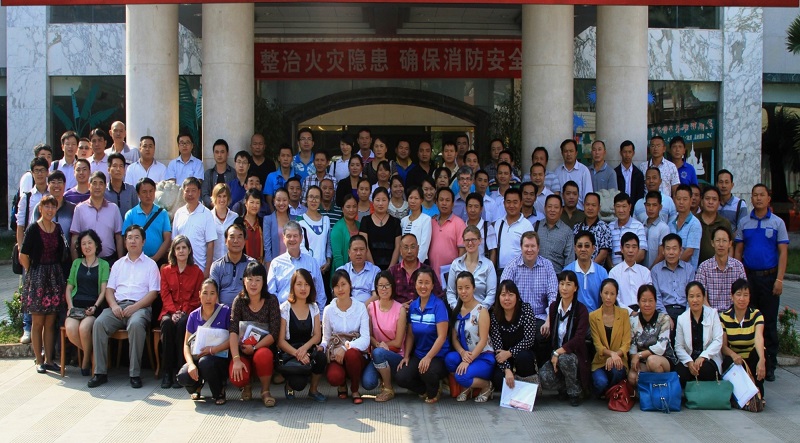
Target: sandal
x=486, y=394
x=385, y=395
x=357, y=400
x=342, y=394
x=221, y=400
x=267, y=399
x=247, y=393
x=431, y=400
x=466, y=393
x=196, y=395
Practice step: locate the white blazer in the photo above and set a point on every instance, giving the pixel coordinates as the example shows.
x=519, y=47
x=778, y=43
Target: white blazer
x=712, y=337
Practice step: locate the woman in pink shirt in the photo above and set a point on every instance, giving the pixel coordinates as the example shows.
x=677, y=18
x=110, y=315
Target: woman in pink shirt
x=388, y=331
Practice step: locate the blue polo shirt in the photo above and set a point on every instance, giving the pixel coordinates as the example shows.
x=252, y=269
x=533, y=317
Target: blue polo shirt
x=154, y=235
x=761, y=237
x=691, y=232
x=423, y=325
x=275, y=181
x=228, y=276
x=687, y=174
x=588, y=283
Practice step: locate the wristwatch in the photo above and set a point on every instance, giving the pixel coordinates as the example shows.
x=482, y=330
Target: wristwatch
x=555, y=353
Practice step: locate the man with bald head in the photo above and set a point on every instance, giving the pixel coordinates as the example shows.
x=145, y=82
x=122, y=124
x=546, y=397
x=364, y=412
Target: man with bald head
x=260, y=165
x=119, y=146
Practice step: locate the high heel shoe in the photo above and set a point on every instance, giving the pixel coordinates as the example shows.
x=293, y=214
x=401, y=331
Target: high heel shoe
x=466, y=393
x=485, y=394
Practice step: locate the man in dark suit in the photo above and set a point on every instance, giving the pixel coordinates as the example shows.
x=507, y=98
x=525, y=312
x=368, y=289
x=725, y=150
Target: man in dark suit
x=630, y=179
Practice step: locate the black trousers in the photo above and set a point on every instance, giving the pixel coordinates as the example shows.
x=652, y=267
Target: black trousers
x=762, y=299
x=542, y=346
x=212, y=370
x=708, y=372
x=298, y=382
x=522, y=365
x=751, y=362
x=410, y=378
x=172, y=335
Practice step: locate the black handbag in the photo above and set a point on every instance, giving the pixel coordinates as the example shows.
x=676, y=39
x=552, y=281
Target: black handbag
x=289, y=365
x=16, y=266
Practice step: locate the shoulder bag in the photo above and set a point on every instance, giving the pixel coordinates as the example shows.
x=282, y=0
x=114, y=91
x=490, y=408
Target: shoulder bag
x=619, y=397
x=207, y=324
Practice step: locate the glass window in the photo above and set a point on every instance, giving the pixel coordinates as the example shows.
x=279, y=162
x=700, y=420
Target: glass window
x=87, y=14
x=700, y=17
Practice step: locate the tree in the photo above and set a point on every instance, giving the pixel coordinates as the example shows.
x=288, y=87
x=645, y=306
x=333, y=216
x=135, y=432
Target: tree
x=780, y=142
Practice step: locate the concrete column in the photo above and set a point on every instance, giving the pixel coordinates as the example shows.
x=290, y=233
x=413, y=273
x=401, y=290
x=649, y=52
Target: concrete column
x=228, y=76
x=547, y=79
x=151, y=76
x=622, y=73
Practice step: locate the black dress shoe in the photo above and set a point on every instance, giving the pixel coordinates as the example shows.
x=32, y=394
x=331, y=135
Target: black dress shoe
x=175, y=384
x=574, y=401
x=770, y=375
x=97, y=380
x=136, y=382
x=166, y=381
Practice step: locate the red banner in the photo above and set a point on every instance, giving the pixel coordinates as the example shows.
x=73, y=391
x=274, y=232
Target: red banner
x=763, y=3
x=389, y=59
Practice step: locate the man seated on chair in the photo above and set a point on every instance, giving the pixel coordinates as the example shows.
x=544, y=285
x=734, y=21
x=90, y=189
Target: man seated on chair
x=132, y=287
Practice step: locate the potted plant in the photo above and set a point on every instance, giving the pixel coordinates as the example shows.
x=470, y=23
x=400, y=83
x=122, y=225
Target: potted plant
x=788, y=339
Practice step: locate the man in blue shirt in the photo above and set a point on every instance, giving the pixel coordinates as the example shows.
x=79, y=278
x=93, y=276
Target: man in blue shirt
x=185, y=165
x=670, y=277
x=362, y=273
x=228, y=270
x=590, y=274
x=687, y=226
x=158, y=232
x=284, y=265
x=303, y=162
x=686, y=173
x=762, y=245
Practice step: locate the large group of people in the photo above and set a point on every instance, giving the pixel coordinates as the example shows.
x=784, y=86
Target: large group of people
x=375, y=272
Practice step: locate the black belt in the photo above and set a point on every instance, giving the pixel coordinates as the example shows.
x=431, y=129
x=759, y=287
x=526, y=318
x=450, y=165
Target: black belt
x=764, y=272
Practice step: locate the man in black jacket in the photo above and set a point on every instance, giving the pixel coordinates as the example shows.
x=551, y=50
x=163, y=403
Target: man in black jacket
x=630, y=179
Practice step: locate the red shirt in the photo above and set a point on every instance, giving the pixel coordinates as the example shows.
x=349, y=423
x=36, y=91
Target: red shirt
x=180, y=291
x=254, y=244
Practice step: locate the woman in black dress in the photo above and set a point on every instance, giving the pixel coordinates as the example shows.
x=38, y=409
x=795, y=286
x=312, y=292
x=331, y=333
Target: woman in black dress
x=382, y=232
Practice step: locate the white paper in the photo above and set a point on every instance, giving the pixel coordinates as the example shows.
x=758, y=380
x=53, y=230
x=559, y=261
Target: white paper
x=743, y=387
x=209, y=337
x=522, y=397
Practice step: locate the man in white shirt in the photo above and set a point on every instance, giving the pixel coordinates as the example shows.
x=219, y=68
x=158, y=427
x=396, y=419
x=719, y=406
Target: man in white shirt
x=574, y=170
x=510, y=228
x=69, y=144
x=196, y=222
x=132, y=287
x=99, y=158
x=629, y=274
x=147, y=165
x=669, y=172
x=185, y=165
x=119, y=146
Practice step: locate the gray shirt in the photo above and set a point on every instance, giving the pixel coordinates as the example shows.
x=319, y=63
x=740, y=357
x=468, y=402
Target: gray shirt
x=605, y=178
x=671, y=285
x=556, y=243
x=125, y=199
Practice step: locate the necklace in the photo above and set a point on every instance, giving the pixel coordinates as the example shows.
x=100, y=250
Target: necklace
x=381, y=221
x=88, y=266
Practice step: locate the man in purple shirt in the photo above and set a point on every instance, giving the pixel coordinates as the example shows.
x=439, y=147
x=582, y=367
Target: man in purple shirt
x=101, y=215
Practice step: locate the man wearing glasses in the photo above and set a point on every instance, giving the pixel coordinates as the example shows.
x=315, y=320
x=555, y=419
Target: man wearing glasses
x=186, y=165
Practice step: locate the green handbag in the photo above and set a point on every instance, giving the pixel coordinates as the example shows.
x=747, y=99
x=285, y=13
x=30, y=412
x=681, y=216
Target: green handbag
x=709, y=394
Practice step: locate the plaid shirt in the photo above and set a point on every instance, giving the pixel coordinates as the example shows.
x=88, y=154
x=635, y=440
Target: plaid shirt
x=537, y=285
x=313, y=180
x=404, y=287
x=718, y=281
x=602, y=235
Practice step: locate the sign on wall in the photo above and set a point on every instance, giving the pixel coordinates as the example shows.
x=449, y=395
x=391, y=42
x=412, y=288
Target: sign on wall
x=392, y=59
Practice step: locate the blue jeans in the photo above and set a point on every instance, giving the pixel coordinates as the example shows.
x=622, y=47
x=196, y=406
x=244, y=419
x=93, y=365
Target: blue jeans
x=482, y=367
x=27, y=321
x=381, y=358
x=604, y=379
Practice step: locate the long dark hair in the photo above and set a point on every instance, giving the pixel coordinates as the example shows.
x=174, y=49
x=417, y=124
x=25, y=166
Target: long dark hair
x=570, y=318
x=254, y=269
x=306, y=276
x=459, y=304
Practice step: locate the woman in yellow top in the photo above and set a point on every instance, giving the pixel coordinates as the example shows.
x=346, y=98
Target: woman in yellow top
x=611, y=334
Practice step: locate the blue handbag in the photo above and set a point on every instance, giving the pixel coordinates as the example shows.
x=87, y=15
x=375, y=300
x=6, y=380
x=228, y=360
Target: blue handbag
x=659, y=392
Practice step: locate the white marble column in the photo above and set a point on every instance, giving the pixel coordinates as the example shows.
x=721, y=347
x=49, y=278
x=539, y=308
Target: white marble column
x=739, y=142
x=228, y=76
x=151, y=76
x=622, y=74
x=547, y=79
x=28, y=91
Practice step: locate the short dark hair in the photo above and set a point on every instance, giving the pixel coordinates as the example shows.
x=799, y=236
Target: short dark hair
x=69, y=134
x=628, y=236
x=38, y=161
x=724, y=171
x=191, y=181
x=184, y=134
x=474, y=196
x=134, y=228
x=481, y=171
x=543, y=149
x=99, y=132
x=591, y=194
x=552, y=197
x=711, y=188
x=567, y=142
x=221, y=142
x=445, y=189
x=721, y=228
x=145, y=181
x=307, y=130
x=147, y=137
x=653, y=168
x=98, y=174
x=116, y=156
x=568, y=184
x=627, y=143
x=56, y=175
x=42, y=147
x=657, y=137
x=654, y=194
x=584, y=233
x=243, y=154
x=622, y=197
x=677, y=139
x=672, y=237
x=514, y=191
x=685, y=188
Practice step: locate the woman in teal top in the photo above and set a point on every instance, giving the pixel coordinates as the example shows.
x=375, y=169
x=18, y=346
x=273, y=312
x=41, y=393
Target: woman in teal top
x=86, y=285
x=341, y=232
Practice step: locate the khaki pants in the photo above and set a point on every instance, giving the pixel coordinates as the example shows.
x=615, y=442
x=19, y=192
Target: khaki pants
x=107, y=324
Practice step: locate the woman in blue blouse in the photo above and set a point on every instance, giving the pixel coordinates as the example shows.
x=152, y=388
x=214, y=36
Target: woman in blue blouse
x=422, y=368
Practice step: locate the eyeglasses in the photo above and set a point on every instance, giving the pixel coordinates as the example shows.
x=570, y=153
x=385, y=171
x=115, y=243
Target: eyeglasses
x=184, y=143
x=386, y=286
x=471, y=240
x=312, y=197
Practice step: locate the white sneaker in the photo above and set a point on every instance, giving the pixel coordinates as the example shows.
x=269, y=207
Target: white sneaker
x=26, y=337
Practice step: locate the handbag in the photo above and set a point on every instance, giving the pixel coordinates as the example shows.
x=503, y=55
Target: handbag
x=619, y=397
x=289, y=365
x=337, y=341
x=744, y=388
x=77, y=313
x=659, y=391
x=16, y=266
x=709, y=394
x=756, y=403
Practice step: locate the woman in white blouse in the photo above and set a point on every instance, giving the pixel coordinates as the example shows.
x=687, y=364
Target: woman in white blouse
x=698, y=338
x=223, y=217
x=481, y=268
x=345, y=338
x=417, y=223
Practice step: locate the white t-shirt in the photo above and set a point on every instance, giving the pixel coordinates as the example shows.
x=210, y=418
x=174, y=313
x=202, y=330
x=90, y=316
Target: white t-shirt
x=199, y=227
